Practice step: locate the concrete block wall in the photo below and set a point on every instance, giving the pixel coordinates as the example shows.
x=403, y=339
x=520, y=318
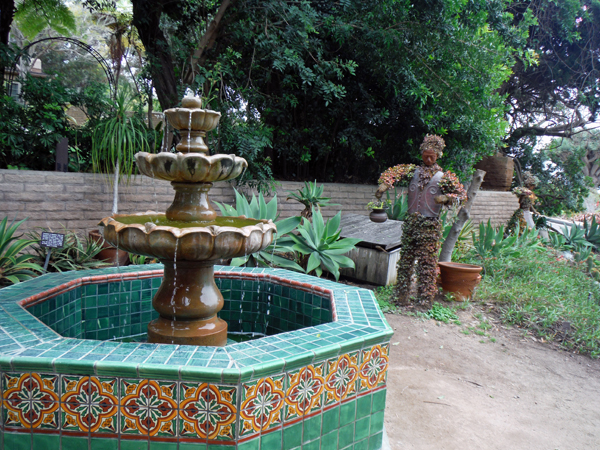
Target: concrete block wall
x=78, y=201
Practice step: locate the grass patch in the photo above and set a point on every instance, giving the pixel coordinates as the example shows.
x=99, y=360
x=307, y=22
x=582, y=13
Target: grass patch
x=538, y=290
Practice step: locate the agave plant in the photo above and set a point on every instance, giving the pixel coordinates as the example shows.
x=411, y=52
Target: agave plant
x=75, y=254
x=321, y=240
x=310, y=196
x=399, y=207
x=14, y=267
x=258, y=208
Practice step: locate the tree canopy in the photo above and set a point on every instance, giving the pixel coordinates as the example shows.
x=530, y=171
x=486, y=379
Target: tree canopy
x=337, y=90
x=554, y=87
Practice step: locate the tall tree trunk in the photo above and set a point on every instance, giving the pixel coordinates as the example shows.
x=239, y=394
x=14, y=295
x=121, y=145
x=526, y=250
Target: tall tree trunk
x=463, y=215
x=146, y=19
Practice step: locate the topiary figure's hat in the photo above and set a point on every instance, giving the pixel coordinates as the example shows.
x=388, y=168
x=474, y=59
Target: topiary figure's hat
x=433, y=142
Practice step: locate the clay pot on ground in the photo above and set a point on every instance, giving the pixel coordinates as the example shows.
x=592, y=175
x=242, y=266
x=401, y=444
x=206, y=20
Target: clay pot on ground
x=459, y=279
x=109, y=254
x=378, y=215
x=499, y=172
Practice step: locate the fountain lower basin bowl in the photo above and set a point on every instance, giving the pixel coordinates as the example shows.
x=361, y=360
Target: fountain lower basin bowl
x=317, y=378
x=190, y=167
x=227, y=237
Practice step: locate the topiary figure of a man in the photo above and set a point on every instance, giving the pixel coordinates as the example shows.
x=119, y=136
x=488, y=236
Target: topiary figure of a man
x=429, y=188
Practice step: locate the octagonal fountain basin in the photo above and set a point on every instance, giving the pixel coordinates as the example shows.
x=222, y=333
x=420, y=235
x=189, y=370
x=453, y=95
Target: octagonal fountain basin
x=76, y=373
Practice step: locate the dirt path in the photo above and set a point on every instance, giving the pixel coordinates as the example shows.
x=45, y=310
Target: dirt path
x=447, y=390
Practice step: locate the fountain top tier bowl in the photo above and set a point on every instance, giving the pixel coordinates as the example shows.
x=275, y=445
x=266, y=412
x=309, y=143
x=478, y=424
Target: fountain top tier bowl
x=194, y=122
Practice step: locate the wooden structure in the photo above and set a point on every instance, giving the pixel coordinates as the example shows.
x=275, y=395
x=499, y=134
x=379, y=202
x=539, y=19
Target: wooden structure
x=375, y=257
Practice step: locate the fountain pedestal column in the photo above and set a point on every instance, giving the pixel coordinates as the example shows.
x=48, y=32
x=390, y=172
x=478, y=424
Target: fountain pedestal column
x=188, y=301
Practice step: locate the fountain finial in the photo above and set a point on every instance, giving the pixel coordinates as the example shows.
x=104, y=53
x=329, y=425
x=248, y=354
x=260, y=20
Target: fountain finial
x=191, y=102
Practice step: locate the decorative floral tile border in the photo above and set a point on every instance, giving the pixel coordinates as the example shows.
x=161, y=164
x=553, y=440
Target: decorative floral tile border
x=148, y=408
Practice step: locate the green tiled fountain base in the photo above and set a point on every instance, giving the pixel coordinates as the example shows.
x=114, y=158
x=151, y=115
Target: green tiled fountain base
x=316, y=381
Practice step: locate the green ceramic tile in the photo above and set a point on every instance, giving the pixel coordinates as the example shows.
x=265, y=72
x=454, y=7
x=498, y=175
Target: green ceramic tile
x=73, y=442
x=312, y=428
x=362, y=445
x=253, y=444
x=98, y=443
x=45, y=441
x=347, y=413
x=292, y=436
x=376, y=422
x=138, y=444
x=271, y=440
x=379, y=400
x=17, y=441
x=116, y=369
x=363, y=406
x=270, y=368
x=156, y=445
x=72, y=366
x=330, y=440
x=346, y=436
x=218, y=447
x=158, y=371
x=376, y=441
x=361, y=428
x=331, y=419
x=313, y=445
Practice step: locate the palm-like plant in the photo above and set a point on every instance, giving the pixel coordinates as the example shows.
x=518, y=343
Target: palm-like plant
x=14, y=267
x=322, y=242
x=116, y=139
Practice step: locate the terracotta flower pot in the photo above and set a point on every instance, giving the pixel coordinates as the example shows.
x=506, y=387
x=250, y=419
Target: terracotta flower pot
x=378, y=215
x=459, y=279
x=109, y=254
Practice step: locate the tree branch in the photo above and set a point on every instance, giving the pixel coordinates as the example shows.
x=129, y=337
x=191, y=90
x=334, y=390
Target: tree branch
x=207, y=41
x=463, y=215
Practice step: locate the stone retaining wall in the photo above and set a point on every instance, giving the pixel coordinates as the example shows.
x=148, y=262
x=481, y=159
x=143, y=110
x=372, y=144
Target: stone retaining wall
x=78, y=201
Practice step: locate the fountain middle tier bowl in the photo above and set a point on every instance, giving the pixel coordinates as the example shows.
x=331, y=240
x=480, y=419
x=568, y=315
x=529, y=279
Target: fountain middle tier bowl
x=154, y=235
x=190, y=167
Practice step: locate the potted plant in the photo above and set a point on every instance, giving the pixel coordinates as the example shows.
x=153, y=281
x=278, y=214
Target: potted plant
x=116, y=139
x=378, y=210
x=457, y=278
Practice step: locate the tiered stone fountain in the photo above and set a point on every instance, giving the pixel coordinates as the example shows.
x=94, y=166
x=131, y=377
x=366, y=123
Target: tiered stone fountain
x=189, y=239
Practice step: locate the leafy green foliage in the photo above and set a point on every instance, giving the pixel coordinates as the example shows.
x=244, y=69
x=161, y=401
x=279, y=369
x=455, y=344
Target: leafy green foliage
x=592, y=232
x=399, y=207
x=258, y=208
x=15, y=267
x=33, y=16
x=563, y=185
x=118, y=137
x=491, y=242
x=385, y=296
x=553, y=88
x=311, y=196
x=29, y=132
x=321, y=240
x=341, y=89
x=442, y=313
x=547, y=294
x=76, y=253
